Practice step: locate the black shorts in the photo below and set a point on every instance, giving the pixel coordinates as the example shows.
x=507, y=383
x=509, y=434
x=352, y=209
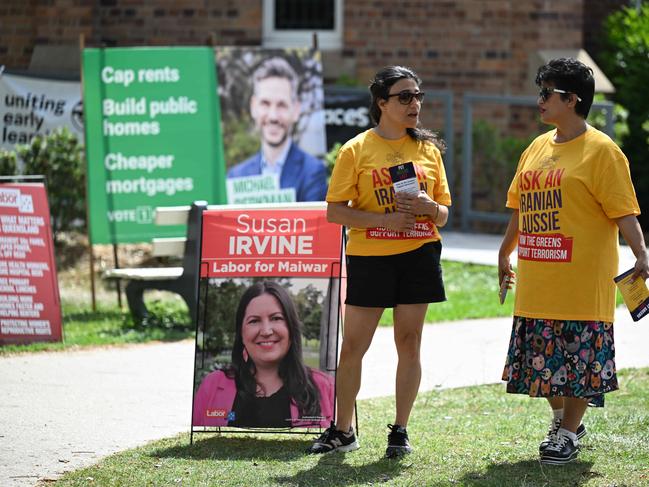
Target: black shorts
x=388, y=280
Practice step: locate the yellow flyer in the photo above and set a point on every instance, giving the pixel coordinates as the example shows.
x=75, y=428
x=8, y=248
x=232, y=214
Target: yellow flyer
x=635, y=294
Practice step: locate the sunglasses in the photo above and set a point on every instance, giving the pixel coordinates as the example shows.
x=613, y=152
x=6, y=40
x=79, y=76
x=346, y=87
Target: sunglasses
x=546, y=93
x=405, y=97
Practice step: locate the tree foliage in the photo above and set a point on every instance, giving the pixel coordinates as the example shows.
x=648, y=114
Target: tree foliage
x=58, y=157
x=494, y=163
x=626, y=61
x=597, y=118
x=8, y=166
x=330, y=157
x=309, y=301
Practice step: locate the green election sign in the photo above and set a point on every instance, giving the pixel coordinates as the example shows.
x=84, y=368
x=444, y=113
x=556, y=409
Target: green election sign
x=153, y=138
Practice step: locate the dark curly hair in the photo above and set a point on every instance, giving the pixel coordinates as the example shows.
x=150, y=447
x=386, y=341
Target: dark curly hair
x=380, y=89
x=570, y=75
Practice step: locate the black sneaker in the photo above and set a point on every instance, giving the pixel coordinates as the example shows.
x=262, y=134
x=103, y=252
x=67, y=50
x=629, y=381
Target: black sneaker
x=398, y=444
x=554, y=428
x=334, y=440
x=560, y=450
x=552, y=431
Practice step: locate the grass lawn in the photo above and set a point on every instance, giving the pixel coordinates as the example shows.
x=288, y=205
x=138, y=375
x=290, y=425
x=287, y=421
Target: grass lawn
x=471, y=290
x=477, y=436
x=83, y=327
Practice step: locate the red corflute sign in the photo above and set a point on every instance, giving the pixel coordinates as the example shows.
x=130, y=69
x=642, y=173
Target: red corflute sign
x=30, y=306
x=261, y=242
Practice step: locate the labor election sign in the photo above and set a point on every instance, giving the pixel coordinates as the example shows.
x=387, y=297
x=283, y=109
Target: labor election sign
x=30, y=306
x=277, y=242
x=153, y=137
x=268, y=298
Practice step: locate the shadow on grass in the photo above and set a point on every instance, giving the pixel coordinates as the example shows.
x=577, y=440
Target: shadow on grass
x=330, y=470
x=236, y=448
x=531, y=473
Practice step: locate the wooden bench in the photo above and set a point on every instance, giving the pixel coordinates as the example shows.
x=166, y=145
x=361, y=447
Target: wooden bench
x=181, y=280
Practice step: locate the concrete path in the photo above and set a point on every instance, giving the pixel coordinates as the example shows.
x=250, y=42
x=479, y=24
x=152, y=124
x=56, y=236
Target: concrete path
x=63, y=411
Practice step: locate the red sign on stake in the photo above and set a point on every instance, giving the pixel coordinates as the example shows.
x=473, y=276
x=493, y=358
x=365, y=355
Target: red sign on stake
x=30, y=306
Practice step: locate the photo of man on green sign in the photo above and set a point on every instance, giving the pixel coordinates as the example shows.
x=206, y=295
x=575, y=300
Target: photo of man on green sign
x=270, y=160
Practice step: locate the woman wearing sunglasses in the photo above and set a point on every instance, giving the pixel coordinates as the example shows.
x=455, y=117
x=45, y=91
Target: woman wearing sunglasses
x=393, y=248
x=571, y=194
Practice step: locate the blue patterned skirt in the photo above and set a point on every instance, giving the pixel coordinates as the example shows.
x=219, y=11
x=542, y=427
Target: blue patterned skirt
x=549, y=358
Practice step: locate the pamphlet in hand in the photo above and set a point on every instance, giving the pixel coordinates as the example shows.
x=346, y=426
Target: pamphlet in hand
x=404, y=178
x=635, y=294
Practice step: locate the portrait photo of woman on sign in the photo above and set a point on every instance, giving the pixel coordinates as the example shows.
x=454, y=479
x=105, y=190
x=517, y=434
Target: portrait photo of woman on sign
x=267, y=384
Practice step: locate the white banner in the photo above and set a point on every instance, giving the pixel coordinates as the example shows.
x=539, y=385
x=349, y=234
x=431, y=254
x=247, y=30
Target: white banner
x=37, y=106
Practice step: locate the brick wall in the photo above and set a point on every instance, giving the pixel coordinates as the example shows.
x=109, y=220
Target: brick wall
x=477, y=45
x=483, y=46
x=464, y=45
x=16, y=32
x=25, y=23
x=179, y=22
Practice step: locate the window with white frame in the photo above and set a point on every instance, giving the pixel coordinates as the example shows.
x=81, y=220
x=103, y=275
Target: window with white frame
x=291, y=23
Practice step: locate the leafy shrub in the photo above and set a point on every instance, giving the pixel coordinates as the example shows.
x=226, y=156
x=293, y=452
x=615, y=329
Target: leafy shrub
x=625, y=62
x=347, y=80
x=597, y=119
x=495, y=158
x=170, y=314
x=59, y=157
x=330, y=157
x=240, y=141
x=309, y=302
x=8, y=165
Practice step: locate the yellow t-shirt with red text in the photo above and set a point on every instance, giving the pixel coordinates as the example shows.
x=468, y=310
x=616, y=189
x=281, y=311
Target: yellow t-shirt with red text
x=361, y=175
x=568, y=195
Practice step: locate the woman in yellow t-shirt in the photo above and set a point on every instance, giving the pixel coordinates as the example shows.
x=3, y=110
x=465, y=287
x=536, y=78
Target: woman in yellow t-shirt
x=571, y=194
x=393, y=249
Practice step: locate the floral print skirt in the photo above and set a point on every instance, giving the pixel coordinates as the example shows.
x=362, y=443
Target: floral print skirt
x=548, y=358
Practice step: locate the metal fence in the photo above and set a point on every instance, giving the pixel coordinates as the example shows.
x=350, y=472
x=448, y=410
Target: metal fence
x=470, y=215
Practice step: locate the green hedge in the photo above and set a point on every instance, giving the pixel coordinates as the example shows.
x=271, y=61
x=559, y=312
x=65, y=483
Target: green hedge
x=59, y=157
x=626, y=61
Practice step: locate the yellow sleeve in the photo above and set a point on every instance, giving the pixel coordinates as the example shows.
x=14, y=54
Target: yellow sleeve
x=441, y=192
x=344, y=178
x=613, y=187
